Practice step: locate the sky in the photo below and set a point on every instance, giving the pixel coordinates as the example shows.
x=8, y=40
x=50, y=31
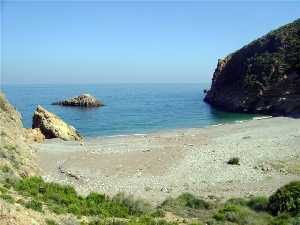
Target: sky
x=128, y=42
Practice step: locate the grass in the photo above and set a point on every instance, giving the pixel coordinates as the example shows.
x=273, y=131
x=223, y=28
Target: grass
x=144, y=220
x=50, y=222
x=34, y=205
x=189, y=206
x=8, y=198
x=64, y=199
x=126, y=210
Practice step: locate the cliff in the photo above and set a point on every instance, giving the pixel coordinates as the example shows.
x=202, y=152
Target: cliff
x=17, y=158
x=262, y=77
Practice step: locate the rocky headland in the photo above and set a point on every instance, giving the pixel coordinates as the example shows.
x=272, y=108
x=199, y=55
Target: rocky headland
x=84, y=100
x=262, y=77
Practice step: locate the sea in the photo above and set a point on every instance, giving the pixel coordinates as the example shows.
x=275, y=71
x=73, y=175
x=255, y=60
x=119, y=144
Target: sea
x=129, y=108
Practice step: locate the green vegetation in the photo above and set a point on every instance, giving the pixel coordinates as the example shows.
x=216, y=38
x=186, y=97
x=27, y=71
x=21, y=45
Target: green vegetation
x=188, y=206
x=34, y=205
x=187, y=200
x=234, y=161
x=5, y=169
x=259, y=203
x=7, y=198
x=64, y=199
x=276, y=55
x=50, y=222
x=145, y=220
x=281, y=209
x=286, y=199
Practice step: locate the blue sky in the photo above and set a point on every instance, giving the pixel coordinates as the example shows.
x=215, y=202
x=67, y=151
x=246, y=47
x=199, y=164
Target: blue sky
x=128, y=42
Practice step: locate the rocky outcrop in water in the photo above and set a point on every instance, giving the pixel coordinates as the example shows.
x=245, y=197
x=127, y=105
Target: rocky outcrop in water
x=262, y=77
x=52, y=126
x=17, y=158
x=84, y=100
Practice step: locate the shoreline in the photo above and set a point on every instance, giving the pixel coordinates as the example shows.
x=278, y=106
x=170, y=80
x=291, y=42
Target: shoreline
x=165, y=130
x=168, y=163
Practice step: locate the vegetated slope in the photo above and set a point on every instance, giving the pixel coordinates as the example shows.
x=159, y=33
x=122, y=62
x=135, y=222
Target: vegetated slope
x=262, y=77
x=16, y=155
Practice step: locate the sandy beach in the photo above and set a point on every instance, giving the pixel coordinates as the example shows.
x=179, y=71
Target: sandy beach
x=158, y=165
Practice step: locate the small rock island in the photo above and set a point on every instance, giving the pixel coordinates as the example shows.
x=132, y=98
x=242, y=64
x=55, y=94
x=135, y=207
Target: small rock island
x=83, y=100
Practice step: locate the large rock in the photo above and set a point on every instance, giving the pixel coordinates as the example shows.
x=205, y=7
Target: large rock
x=84, y=100
x=52, y=126
x=262, y=77
x=16, y=155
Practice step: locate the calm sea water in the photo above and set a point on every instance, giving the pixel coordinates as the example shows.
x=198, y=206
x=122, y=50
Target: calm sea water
x=130, y=108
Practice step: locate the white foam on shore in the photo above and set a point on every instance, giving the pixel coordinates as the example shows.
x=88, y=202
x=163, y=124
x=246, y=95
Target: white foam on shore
x=126, y=135
x=217, y=125
x=261, y=117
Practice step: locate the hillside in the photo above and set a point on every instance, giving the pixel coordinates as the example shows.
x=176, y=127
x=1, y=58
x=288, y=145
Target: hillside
x=17, y=156
x=262, y=77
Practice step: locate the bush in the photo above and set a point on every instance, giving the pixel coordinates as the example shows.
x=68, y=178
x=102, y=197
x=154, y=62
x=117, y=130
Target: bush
x=35, y=205
x=234, y=161
x=241, y=215
x=8, y=198
x=50, y=222
x=135, y=207
x=259, y=203
x=286, y=199
x=144, y=220
x=64, y=199
x=237, y=201
x=187, y=200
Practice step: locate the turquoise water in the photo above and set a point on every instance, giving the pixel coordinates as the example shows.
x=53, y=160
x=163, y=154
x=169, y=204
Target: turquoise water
x=130, y=108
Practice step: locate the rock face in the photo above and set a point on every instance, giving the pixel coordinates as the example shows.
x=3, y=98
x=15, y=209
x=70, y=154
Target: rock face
x=16, y=155
x=84, y=100
x=262, y=77
x=52, y=126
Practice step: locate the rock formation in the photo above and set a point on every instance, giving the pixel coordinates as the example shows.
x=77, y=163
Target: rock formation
x=52, y=126
x=16, y=155
x=262, y=77
x=84, y=100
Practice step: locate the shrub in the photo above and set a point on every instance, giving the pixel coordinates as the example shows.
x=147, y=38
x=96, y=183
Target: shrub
x=286, y=199
x=64, y=199
x=187, y=200
x=241, y=215
x=234, y=161
x=35, y=205
x=8, y=198
x=135, y=206
x=50, y=222
x=158, y=213
x=3, y=190
x=237, y=201
x=259, y=203
x=5, y=169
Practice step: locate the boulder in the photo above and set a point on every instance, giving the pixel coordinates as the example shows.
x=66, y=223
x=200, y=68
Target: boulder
x=52, y=126
x=84, y=100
